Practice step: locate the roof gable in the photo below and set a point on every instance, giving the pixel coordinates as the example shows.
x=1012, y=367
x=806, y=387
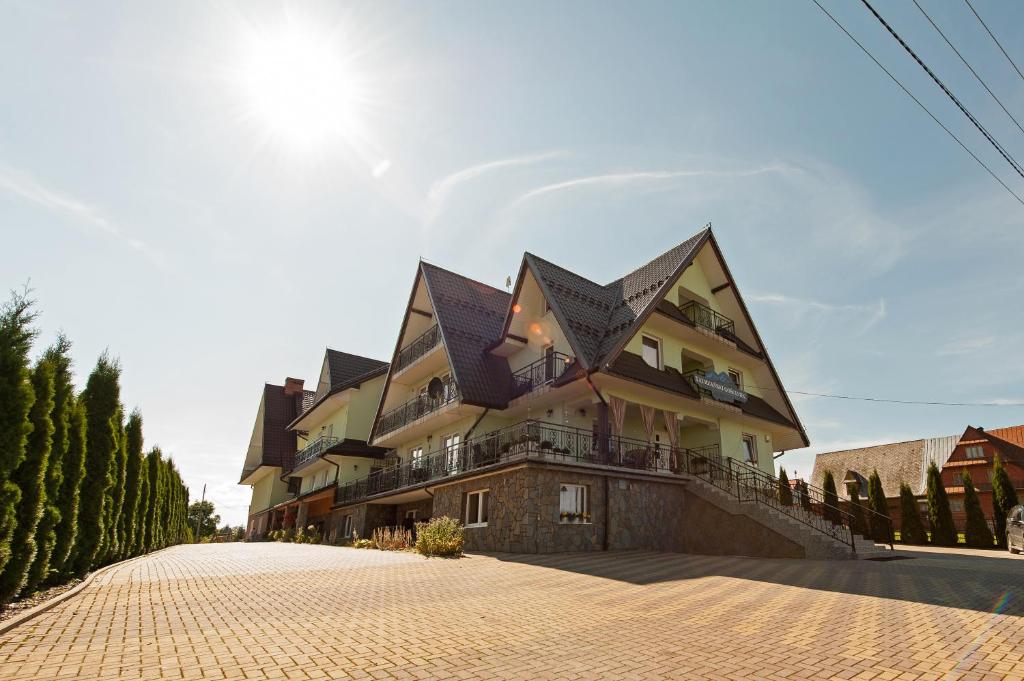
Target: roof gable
x=344, y=367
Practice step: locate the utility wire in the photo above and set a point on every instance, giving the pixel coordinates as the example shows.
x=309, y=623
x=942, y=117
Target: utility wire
x=981, y=128
x=996, y=40
x=918, y=102
x=969, y=67
x=930, y=403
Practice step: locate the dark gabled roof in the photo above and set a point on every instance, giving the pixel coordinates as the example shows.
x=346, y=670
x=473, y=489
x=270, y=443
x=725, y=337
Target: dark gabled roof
x=598, y=320
x=470, y=315
x=343, y=367
x=280, y=409
x=335, y=388
x=632, y=366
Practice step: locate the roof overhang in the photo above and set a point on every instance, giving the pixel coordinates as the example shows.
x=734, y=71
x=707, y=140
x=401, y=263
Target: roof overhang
x=326, y=404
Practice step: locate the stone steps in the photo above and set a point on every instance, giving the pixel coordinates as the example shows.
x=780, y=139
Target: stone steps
x=817, y=544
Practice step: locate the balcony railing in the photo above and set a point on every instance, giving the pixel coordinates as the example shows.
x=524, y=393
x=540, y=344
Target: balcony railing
x=543, y=371
x=314, y=449
x=420, y=346
x=704, y=317
x=417, y=407
x=513, y=443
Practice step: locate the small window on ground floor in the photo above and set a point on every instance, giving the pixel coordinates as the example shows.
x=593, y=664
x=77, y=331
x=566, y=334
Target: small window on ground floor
x=476, y=508
x=412, y=513
x=346, y=527
x=750, y=448
x=574, y=503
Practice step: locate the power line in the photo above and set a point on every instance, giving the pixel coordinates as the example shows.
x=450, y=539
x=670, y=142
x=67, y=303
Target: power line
x=969, y=67
x=996, y=40
x=918, y=102
x=929, y=403
x=981, y=128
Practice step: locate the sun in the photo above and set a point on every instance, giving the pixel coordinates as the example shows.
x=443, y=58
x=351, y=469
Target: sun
x=301, y=86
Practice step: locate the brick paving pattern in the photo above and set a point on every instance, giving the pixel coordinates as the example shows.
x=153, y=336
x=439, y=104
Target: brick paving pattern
x=274, y=611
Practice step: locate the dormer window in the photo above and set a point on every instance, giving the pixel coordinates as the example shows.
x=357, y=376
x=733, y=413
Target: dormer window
x=651, y=348
x=975, y=452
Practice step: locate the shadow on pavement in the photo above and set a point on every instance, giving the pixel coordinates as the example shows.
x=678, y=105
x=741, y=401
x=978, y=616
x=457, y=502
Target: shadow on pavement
x=980, y=583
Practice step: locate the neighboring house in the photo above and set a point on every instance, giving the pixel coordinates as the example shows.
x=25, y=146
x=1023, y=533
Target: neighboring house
x=271, y=447
x=560, y=416
x=908, y=462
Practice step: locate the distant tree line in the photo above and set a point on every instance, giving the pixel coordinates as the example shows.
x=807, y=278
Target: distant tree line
x=77, y=489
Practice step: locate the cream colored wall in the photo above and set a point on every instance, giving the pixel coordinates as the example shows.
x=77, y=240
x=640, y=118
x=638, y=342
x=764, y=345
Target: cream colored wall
x=539, y=329
x=267, y=491
x=363, y=407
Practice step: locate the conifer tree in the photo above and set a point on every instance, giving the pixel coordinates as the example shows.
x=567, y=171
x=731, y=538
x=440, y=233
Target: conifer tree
x=785, y=491
x=60, y=417
x=74, y=471
x=16, y=399
x=940, y=517
x=142, y=510
x=805, y=497
x=881, y=527
x=153, y=467
x=831, y=511
x=30, y=477
x=113, y=502
x=1004, y=497
x=102, y=405
x=133, y=463
x=857, y=512
x=976, y=531
x=912, y=529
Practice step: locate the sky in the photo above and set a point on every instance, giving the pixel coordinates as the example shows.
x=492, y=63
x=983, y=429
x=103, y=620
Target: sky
x=215, y=192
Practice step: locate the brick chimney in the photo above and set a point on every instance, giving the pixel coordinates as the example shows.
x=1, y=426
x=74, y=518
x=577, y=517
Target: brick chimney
x=293, y=386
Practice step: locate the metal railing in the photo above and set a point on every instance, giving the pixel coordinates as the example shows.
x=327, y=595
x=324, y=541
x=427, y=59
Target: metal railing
x=538, y=373
x=527, y=439
x=314, y=449
x=418, y=407
x=418, y=347
x=703, y=316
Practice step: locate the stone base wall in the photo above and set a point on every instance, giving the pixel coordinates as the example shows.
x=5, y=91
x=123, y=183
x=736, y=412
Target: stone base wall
x=711, y=530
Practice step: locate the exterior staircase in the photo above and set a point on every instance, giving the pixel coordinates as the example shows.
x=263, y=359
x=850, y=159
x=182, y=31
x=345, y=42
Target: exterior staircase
x=817, y=545
x=823, y=529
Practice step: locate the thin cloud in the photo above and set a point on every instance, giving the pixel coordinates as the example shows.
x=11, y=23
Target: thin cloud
x=441, y=190
x=872, y=313
x=966, y=346
x=621, y=179
x=26, y=187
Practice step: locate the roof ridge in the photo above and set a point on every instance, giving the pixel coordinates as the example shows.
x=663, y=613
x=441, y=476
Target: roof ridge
x=887, y=444
x=352, y=354
x=659, y=256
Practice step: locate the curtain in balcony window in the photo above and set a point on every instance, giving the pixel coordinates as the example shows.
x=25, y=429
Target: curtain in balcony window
x=672, y=426
x=647, y=414
x=618, y=407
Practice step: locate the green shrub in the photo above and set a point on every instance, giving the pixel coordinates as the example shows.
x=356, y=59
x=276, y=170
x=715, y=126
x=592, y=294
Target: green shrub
x=785, y=491
x=442, y=536
x=939, y=514
x=831, y=509
x=362, y=544
x=912, y=530
x=976, y=532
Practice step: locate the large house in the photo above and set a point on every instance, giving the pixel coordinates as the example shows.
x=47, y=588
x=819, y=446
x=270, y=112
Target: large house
x=907, y=462
x=568, y=415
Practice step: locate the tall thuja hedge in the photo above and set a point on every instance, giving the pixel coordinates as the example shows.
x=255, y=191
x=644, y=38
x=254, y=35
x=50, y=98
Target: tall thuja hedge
x=976, y=531
x=912, y=529
x=142, y=508
x=154, y=461
x=939, y=514
x=1004, y=497
x=857, y=512
x=16, y=399
x=133, y=464
x=113, y=502
x=60, y=417
x=102, y=406
x=61, y=563
x=785, y=491
x=30, y=477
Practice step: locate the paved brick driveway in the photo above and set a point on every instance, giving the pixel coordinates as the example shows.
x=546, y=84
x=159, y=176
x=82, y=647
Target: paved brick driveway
x=308, y=612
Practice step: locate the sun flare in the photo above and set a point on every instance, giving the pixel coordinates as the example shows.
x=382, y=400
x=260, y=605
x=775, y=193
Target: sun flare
x=301, y=86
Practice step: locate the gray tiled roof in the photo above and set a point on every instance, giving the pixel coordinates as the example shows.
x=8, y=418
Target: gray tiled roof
x=470, y=315
x=596, y=318
x=344, y=367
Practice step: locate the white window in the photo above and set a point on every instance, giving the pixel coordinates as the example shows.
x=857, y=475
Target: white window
x=476, y=508
x=451, y=448
x=737, y=377
x=416, y=457
x=749, y=448
x=544, y=307
x=975, y=452
x=956, y=506
x=573, y=504
x=346, y=528
x=412, y=513
x=651, y=351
